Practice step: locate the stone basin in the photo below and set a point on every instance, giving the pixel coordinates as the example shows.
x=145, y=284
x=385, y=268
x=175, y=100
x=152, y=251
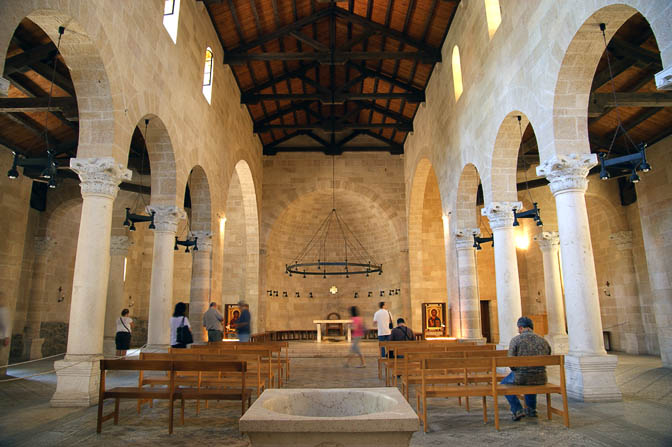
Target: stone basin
x=330, y=418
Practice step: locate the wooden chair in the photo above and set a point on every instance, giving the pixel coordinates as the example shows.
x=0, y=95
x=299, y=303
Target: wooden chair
x=338, y=327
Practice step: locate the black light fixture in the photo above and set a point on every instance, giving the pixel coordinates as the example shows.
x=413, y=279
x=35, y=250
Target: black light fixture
x=284, y=294
x=270, y=292
x=482, y=240
x=47, y=165
x=310, y=294
x=534, y=212
x=131, y=217
x=396, y=291
x=382, y=293
x=313, y=258
x=356, y=295
x=297, y=295
x=187, y=243
x=275, y=293
x=624, y=164
x=370, y=294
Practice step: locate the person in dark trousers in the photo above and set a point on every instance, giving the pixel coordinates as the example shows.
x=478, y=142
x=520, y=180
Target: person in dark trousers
x=382, y=320
x=243, y=325
x=525, y=344
x=212, y=321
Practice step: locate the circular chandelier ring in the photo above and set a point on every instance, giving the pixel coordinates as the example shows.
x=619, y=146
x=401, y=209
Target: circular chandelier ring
x=363, y=268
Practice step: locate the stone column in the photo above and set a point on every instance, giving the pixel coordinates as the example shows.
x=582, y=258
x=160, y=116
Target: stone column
x=32, y=348
x=161, y=287
x=549, y=244
x=201, y=272
x=629, y=310
x=470, y=304
x=590, y=372
x=115, y=291
x=78, y=374
x=500, y=215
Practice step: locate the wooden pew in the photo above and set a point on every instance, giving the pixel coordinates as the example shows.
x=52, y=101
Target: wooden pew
x=383, y=363
x=431, y=388
x=164, y=379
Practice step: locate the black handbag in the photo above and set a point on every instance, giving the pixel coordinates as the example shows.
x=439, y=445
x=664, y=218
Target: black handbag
x=391, y=324
x=184, y=334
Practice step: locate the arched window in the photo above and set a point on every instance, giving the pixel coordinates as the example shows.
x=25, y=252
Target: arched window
x=457, y=73
x=171, y=14
x=493, y=15
x=207, y=75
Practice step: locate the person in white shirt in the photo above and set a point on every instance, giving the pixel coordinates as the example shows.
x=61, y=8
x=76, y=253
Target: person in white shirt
x=122, y=339
x=177, y=320
x=382, y=320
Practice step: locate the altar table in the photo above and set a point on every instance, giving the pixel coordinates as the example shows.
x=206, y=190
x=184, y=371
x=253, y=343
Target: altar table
x=319, y=327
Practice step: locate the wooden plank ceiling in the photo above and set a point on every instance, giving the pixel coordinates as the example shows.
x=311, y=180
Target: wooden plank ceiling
x=332, y=77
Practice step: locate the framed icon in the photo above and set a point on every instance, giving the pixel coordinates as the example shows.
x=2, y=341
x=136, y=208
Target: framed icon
x=434, y=319
x=231, y=315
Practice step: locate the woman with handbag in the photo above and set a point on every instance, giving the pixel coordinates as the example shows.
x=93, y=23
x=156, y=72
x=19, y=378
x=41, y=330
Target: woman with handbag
x=122, y=338
x=180, y=329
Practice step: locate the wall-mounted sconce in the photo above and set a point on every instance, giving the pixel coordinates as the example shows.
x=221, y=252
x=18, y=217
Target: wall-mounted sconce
x=391, y=292
x=396, y=291
x=297, y=294
x=60, y=297
x=275, y=293
x=270, y=292
x=382, y=293
x=480, y=240
x=310, y=294
x=284, y=294
x=370, y=294
x=131, y=303
x=356, y=295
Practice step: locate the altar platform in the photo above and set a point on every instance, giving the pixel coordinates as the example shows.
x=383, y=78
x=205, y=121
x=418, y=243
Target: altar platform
x=330, y=348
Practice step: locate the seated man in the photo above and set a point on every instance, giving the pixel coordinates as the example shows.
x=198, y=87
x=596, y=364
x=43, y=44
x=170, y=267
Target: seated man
x=401, y=333
x=527, y=343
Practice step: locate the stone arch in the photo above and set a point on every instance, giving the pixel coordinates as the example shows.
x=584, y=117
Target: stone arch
x=577, y=69
x=95, y=101
x=292, y=230
x=162, y=161
x=503, y=165
x=242, y=183
x=467, y=190
x=426, y=244
x=201, y=200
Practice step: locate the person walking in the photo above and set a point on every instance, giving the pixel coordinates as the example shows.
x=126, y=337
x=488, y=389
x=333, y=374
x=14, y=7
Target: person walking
x=243, y=325
x=357, y=334
x=122, y=339
x=524, y=344
x=382, y=320
x=178, y=320
x=212, y=321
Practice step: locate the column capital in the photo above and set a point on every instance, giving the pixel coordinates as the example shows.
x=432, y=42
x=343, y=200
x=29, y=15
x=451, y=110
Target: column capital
x=622, y=239
x=99, y=176
x=43, y=244
x=567, y=172
x=500, y=214
x=204, y=240
x=464, y=239
x=166, y=217
x=119, y=245
x=547, y=240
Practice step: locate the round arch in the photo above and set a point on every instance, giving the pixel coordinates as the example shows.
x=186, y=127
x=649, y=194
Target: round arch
x=502, y=185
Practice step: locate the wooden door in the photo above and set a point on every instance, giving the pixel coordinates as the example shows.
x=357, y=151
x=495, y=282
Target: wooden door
x=485, y=320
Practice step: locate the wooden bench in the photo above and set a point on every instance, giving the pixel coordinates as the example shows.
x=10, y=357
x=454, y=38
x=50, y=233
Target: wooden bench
x=431, y=387
x=383, y=362
x=173, y=390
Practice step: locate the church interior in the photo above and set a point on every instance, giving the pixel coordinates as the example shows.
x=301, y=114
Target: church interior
x=467, y=162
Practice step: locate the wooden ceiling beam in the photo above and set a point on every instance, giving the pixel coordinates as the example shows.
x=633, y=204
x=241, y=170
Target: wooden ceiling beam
x=327, y=126
x=29, y=56
x=295, y=74
x=30, y=89
x=327, y=98
x=302, y=105
x=601, y=101
x=332, y=150
x=383, y=111
x=37, y=104
x=383, y=77
x=327, y=57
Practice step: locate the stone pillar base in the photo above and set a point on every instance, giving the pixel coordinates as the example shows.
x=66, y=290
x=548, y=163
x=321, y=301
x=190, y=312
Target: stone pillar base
x=591, y=378
x=109, y=347
x=478, y=340
x=77, y=383
x=559, y=343
x=32, y=349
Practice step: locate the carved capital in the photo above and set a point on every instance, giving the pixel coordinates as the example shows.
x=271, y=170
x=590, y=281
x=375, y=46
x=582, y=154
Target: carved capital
x=43, y=245
x=99, y=176
x=567, y=172
x=622, y=239
x=204, y=240
x=167, y=217
x=464, y=238
x=119, y=245
x=500, y=214
x=548, y=240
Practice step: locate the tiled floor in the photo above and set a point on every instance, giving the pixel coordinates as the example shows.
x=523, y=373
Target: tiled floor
x=642, y=418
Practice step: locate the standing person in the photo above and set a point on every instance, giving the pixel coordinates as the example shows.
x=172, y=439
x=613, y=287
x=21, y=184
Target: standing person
x=243, y=325
x=357, y=334
x=212, y=321
x=122, y=338
x=382, y=320
x=178, y=319
x=527, y=343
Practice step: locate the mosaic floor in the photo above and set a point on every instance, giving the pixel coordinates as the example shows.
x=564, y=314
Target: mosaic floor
x=642, y=418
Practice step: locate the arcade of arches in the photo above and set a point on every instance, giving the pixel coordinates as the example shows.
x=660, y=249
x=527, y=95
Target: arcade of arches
x=517, y=134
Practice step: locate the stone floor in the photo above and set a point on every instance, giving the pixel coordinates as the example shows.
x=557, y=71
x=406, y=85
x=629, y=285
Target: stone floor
x=642, y=418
